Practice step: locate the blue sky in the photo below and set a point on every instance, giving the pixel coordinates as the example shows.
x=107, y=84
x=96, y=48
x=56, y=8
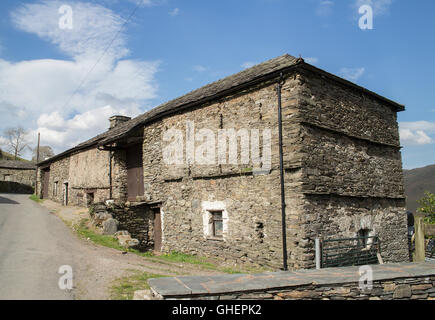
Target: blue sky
x=170, y=47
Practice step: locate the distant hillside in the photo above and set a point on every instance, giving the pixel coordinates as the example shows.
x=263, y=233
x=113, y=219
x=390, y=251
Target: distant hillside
x=7, y=156
x=416, y=182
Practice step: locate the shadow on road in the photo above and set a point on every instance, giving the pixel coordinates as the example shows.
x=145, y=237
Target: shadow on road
x=8, y=201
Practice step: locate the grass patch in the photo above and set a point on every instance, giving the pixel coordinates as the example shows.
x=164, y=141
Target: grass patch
x=186, y=258
x=35, y=198
x=124, y=288
x=84, y=231
x=104, y=240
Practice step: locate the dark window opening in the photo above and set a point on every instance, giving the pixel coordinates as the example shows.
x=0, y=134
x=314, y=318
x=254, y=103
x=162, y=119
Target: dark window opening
x=217, y=223
x=259, y=228
x=363, y=234
x=90, y=198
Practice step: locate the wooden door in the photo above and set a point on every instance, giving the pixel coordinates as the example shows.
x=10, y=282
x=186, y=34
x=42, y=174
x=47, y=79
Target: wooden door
x=135, y=185
x=157, y=230
x=65, y=199
x=46, y=181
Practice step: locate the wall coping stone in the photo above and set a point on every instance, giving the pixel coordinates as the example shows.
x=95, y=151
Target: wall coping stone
x=220, y=284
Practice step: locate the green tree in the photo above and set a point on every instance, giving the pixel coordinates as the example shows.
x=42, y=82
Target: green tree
x=427, y=206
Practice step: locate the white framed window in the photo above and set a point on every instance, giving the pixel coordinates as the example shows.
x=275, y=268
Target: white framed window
x=215, y=220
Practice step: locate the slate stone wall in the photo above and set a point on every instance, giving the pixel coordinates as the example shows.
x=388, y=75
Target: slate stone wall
x=89, y=174
x=22, y=176
x=402, y=281
x=138, y=220
x=411, y=288
x=342, y=164
x=252, y=202
x=351, y=168
x=86, y=172
x=58, y=173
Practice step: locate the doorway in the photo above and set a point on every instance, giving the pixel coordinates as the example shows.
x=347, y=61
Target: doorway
x=65, y=193
x=157, y=229
x=135, y=186
x=45, y=183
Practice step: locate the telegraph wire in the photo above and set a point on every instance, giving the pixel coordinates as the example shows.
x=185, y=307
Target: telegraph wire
x=101, y=57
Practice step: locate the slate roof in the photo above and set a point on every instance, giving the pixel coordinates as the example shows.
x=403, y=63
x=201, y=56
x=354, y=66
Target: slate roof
x=16, y=164
x=204, y=93
x=251, y=76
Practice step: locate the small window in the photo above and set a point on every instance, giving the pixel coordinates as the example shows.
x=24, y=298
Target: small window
x=90, y=198
x=55, y=189
x=8, y=177
x=363, y=236
x=217, y=223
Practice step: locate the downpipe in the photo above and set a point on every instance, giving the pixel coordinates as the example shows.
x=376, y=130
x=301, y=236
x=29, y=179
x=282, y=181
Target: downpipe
x=281, y=174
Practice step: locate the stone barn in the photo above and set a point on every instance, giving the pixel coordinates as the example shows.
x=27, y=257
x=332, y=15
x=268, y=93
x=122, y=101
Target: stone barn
x=201, y=174
x=17, y=176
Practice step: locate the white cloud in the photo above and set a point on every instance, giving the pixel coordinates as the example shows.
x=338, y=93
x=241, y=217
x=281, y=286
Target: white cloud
x=60, y=98
x=352, y=74
x=248, y=64
x=174, y=12
x=311, y=60
x=199, y=68
x=417, y=132
x=57, y=131
x=380, y=7
x=143, y=3
x=324, y=8
x=94, y=28
x=3, y=142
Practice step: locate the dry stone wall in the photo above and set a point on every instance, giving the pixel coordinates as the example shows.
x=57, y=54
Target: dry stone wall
x=342, y=164
x=23, y=176
x=251, y=203
x=351, y=168
x=87, y=176
x=403, y=281
x=138, y=220
x=58, y=175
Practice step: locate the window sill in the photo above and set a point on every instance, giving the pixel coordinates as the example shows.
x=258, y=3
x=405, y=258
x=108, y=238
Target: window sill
x=215, y=238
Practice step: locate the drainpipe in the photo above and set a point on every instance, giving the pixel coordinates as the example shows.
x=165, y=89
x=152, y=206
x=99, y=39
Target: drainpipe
x=281, y=175
x=110, y=174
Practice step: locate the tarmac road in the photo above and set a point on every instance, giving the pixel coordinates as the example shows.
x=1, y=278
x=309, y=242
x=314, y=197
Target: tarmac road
x=34, y=244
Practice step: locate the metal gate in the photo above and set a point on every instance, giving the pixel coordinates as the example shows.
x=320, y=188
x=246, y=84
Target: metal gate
x=349, y=251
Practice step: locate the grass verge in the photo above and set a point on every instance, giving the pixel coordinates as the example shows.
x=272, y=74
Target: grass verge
x=86, y=232
x=35, y=198
x=124, y=288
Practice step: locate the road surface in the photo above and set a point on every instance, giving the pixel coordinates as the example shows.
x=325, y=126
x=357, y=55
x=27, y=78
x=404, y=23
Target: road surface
x=34, y=244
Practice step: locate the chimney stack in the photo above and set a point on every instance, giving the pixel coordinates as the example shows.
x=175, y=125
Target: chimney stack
x=116, y=120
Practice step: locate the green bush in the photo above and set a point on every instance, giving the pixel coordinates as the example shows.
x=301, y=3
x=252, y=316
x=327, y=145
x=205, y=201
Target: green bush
x=427, y=206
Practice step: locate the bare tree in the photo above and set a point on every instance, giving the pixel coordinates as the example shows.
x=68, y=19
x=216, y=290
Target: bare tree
x=45, y=152
x=16, y=141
